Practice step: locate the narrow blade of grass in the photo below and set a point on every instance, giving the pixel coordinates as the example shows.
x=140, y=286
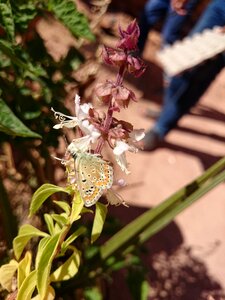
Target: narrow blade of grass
x=162, y=214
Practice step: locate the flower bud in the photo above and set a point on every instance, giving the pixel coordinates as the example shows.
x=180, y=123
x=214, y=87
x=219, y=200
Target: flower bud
x=104, y=91
x=129, y=37
x=113, y=57
x=135, y=66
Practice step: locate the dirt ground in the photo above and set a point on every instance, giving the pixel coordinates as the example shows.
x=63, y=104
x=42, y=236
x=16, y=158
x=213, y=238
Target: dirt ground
x=190, y=149
x=187, y=259
x=192, y=248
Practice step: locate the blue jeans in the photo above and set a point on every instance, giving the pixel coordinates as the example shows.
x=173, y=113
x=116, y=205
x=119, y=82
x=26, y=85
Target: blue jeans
x=184, y=90
x=154, y=11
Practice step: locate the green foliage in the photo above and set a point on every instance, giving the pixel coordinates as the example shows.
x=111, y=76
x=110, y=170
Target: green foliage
x=6, y=17
x=66, y=11
x=45, y=262
x=59, y=257
x=93, y=294
x=11, y=125
x=99, y=220
x=69, y=268
x=66, y=253
x=27, y=287
x=6, y=274
x=42, y=194
x=149, y=223
x=138, y=284
x=27, y=73
x=29, y=87
x=26, y=232
x=24, y=268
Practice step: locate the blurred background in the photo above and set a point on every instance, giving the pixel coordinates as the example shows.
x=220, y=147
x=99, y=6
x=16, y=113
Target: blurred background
x=45, y=59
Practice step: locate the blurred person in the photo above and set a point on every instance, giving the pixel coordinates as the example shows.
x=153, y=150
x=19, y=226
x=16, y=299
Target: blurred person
x=155, y=10
x=175, y=16
x=184, y=90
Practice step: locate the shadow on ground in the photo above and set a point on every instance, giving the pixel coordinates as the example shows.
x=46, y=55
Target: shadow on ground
x=173, y=272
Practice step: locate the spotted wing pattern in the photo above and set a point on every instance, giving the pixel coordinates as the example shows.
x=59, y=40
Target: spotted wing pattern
x=94, y=175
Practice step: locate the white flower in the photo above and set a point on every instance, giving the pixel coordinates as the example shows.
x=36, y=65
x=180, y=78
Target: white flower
x=119, y=152
x=81, y=120
x=79, y=145
x=137, y=135
x=67, y=121
x=81, y=111
x=130, y=145
x=90, y=130
x=114, y=198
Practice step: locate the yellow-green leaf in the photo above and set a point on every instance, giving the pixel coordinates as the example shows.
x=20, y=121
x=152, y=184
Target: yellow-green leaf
x=41, y=247
x=61, y=219
x=68, y=269
x=26, y=232
x=49, y=222
x=24, y=268
x=100, y=215
x=50, y=294
x=73, y=236
x=65, y=206
x=7, y=272
x=77, y=206
x=45, y=263
x=42, y=194
x=27, y=288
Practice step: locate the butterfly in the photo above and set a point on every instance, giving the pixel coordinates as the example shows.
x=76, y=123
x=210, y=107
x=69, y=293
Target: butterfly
x=93, y=176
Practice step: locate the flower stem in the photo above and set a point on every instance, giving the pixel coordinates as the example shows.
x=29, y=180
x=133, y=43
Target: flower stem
x=120, y=74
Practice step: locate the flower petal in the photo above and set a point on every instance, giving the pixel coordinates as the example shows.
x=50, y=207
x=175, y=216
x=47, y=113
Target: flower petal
x=122, y=162
x=79, y=145
x=114, y=198
x=137, y=134
x=120, y=147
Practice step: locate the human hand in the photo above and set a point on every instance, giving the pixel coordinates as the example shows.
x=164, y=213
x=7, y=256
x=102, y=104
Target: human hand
x=178, y=6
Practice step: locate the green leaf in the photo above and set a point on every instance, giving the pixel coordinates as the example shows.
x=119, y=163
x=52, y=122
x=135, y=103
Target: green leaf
x=65, y=206
x=50, y=224
x=42, y=194
x=73, y=237
x=41, y=246
x=7, y=272
x=68, y=269
x=26, y=232
x=92, y=294
x=60, y=219
x=66, y=11
x=138, y=284
x=24, y=13
x=11, y=125
x=45, y=263
x=149, y=223
x=7, y=18
x=100, y=215
x=77, y=206
x=16, y=53
x=50, y=294
x=28, y=286
x=24, y=268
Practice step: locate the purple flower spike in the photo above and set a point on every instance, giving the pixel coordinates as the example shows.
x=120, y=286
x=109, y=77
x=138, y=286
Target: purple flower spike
x=129, y=37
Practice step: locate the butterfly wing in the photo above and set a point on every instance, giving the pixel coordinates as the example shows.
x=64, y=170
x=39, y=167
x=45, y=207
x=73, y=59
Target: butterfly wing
x=94, y=175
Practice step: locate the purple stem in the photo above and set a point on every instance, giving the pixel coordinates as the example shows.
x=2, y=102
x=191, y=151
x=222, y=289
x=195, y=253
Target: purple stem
x=109, y=116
